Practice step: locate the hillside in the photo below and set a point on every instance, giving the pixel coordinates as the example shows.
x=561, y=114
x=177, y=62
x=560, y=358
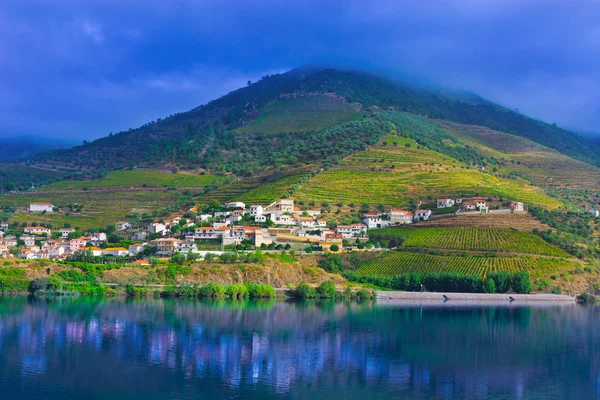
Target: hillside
x=214, y=136
x=318, y=135
x=543, y=165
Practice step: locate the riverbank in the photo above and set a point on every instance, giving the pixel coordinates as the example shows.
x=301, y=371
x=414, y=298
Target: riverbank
x=466, y=297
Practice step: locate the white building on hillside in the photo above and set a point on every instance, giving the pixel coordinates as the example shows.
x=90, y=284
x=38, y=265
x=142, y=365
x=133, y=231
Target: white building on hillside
x=235, y=204
x=399, y=216
x=41, y=207
x=374, y=221
x=445, y=203
x=422, y=215
x=256, y=210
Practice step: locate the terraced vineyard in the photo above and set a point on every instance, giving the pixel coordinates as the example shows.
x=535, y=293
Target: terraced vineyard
x=400, y=262
x=472, y=239
x=393, y=174
x=126, y=178
x=546, y=166
x=271, y=191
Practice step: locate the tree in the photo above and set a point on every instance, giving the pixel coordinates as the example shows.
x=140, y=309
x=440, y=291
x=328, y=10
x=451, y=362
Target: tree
x=327, y=290
x=304, y=291
x=178, y=259
x=521, y=282
x=154, y=261
x=490, y=286
x=334, y=247
x=192, y=256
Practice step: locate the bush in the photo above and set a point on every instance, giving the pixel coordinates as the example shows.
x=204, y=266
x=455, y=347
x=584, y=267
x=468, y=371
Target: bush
x=364, y=294
x=334, y=247
x=212, y=290
x=260, y=291
x=304, y=291
x=332, y=263
x=236, y=291
x=586, y=298
x=490, y=286
x=521, y=282
x=39, y=284
x=501, y=280
x=178, y=259
x=327, y=290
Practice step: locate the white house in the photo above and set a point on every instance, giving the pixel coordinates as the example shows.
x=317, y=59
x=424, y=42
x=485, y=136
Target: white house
x=481, y=204
x=115, y=251
x=256, y=210
x=595, y=213
x=321, y=223
x=235, y=204
x=55, y=251
x=517, y=206
x=282, y=219
x=305, y=222
x=3, y=226
x=29, y=240
x=41, y=207
x=260, y=218
x=422, y=215
x=210, y=233
x=351, y=231
x=186, y=247
x=157, y=228
x=203, y=217
x=64, y=232
x=374, y=221
x=399, y=216
x=10, y=240
x=38, y=230
x=136, y=249
x=445, y=203
x=123, y=226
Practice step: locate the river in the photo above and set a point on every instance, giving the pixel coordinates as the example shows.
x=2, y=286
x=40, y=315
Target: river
x=172, y=349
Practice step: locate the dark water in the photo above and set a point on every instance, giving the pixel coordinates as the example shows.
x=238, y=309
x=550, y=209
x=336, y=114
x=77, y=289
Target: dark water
x=155, y=349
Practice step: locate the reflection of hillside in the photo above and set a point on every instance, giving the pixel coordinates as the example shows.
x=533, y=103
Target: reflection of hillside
x=187, y=349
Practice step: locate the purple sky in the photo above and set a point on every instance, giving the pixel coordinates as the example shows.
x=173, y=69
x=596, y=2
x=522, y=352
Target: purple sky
x=81, y=69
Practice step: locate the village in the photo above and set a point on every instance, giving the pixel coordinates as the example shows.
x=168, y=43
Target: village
x=234, y=226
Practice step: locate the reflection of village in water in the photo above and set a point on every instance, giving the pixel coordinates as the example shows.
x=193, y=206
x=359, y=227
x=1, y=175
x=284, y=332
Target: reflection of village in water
x=159, y=348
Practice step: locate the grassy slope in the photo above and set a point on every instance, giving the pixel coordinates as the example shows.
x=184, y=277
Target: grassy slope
x=100, y=207
x=394, y=174
x=138, y=178
x=527, y=158
x=302, y=114
x=108, y=200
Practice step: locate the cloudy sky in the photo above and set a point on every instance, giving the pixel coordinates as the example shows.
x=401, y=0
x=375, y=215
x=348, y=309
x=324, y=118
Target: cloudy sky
x=79, y=69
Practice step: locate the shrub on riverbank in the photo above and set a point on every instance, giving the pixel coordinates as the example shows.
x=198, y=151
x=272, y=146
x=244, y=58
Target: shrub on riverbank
x=326, y=290
x=216, y=290
x=304, y=291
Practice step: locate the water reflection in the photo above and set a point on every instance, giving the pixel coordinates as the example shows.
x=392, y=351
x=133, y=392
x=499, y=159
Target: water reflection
x=92, y=348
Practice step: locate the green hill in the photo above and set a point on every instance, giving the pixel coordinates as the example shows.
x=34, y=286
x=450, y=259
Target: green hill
x=215, y=136
x=324, y=135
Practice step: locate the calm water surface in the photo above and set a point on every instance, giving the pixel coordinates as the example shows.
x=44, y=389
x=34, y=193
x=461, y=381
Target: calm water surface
x=162, y=349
